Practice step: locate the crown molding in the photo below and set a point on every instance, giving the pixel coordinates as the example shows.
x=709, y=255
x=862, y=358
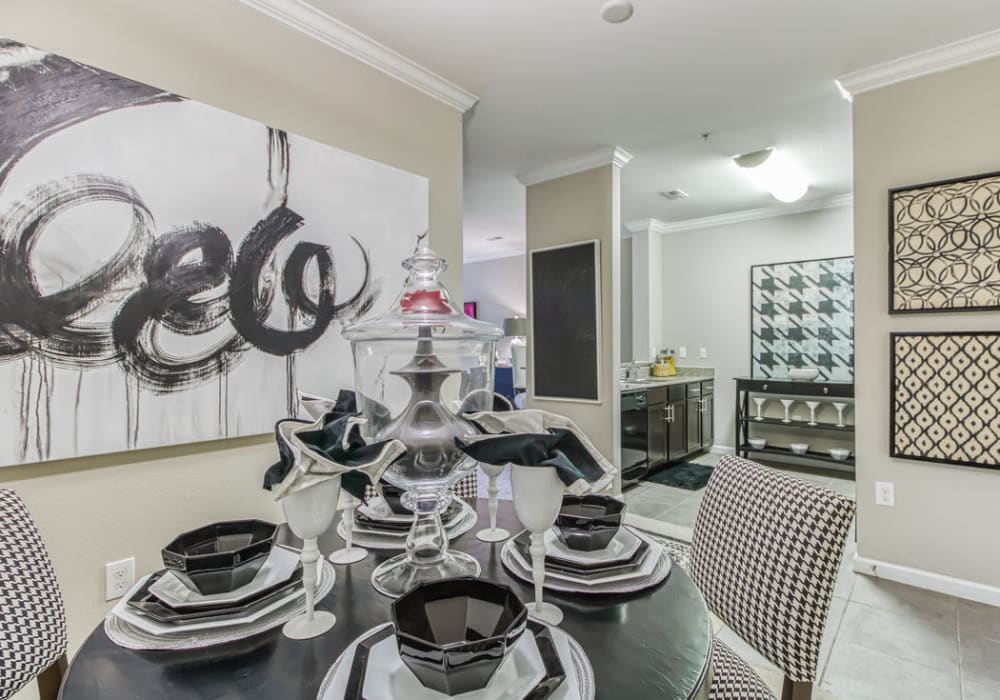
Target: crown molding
x=303, y=17
x=738, y=217
x=953, y=55
x=610, y=155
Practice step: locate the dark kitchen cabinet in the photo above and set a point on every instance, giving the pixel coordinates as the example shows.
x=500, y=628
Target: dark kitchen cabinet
x=677, y=429
x=700, y=416
x=656, y=450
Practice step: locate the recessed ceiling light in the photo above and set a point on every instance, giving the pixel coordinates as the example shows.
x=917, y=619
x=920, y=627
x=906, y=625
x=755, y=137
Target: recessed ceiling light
x=616, y=11
x=494, y=238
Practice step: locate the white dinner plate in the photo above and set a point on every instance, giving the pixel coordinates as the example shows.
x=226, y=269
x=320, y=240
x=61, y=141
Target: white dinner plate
x=372, y=539
x=378, y=509
x=620, y=549
x=278, y=568
x=147, y=624
x=649, y=563
x=387, y=677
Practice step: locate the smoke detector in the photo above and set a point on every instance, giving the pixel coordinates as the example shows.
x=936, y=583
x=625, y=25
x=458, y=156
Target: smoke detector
x=616, y=11
x=674, y=195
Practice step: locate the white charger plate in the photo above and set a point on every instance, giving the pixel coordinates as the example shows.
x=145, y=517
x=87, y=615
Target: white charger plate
x=650, y=561
x=147, y=624
x=380, y=540
x=278, y=568
x=463, y=512
x=378, y=509
x=388, y=677
x=659, y=573
x=621, y=548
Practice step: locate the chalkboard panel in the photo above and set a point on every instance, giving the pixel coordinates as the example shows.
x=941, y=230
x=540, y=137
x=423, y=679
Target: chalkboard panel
x=565, y=344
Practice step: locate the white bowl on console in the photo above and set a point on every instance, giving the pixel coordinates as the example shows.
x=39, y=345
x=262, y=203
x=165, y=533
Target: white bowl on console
x=840, y=453
x=799, y=448
x=803, y=374
x=757, y=443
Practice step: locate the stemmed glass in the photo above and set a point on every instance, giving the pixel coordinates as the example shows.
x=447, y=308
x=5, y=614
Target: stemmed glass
x=787, y=403
x=813, y=405
x=493, y=533
x=840, y=406
x=537, y=499
x=348, y=554
x=760, y=401
x=309, y=512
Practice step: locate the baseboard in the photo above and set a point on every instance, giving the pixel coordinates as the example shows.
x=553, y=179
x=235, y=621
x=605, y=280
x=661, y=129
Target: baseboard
x=658, y=527
x=960, y=588
x=722, y=450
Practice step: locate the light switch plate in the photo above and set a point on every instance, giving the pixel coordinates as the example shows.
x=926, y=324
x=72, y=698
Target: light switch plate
x=682, y=352
x=703, y=353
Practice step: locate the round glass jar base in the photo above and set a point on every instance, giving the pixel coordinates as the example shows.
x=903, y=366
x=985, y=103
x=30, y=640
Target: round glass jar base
x=396, y=576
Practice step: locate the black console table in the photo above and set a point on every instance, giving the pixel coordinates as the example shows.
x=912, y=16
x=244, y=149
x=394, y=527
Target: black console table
x=774, y=389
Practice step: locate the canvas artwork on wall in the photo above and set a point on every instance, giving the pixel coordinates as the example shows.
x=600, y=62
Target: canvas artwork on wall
x=944, y=246
x=802, y=315
x=944, y=397
x=171, y=272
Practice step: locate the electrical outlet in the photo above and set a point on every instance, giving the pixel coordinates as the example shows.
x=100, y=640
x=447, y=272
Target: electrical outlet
x=119, y=576
x=885, y=493
x=703, y=353
x=682, y=352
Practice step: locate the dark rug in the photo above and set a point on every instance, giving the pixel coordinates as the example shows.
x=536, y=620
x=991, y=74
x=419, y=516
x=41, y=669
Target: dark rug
x=686, y=475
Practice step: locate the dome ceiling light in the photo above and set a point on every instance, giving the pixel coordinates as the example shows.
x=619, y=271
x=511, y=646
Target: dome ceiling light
x=775, y=172
x=616, y=11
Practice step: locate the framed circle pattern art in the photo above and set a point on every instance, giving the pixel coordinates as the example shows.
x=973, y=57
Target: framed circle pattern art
x=944, y=246
x=946, y=397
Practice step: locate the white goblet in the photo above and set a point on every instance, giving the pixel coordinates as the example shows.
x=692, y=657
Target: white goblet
x=493, y=533
x=309, y=513
x=349, y=554
x=538, y=496
x=840, y=406
x=813, y=405
x=787, y=403
x=760, y=401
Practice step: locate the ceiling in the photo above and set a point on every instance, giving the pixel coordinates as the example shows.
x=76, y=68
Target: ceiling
x=555, y=81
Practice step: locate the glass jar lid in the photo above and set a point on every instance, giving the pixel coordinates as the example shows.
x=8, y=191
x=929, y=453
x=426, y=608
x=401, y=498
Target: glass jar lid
x=424, y=303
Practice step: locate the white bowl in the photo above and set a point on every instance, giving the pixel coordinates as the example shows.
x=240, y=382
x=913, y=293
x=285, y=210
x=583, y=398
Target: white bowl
x=799, y=448
x=839, y=453
x=803, y=374
x=757, y=442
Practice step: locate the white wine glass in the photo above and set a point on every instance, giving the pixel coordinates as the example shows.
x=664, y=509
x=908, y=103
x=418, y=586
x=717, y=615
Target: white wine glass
x=348, y=554
x=760, y=401
x=840, y=406
x=787, y=403
x=813, y=405
x=538, y=496
x=493, y=533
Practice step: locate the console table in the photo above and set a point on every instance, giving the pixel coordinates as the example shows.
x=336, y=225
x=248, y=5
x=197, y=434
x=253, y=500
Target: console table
x=775, y=389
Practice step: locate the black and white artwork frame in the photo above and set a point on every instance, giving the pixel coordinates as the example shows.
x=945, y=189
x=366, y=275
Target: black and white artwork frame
x=172, y=272
x=922, y=409
x=566, y=333
x=803, y=327
x=944, y=246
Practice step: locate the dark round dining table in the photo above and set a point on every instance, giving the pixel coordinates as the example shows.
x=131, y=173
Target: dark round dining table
x=652, y=644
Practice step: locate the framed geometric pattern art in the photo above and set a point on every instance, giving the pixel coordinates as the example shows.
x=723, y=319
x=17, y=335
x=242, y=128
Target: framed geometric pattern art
x=946, y=397
x=944, y=246
x=802, y=315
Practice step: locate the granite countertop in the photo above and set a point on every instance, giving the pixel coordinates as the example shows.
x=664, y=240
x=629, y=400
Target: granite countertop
x=685, y=375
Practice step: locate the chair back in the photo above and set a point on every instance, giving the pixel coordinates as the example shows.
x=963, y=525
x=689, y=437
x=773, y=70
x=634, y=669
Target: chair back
x=765, y=554
x=32, y=618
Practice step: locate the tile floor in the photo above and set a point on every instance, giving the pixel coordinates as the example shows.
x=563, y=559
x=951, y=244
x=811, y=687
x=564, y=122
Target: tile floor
x=884, y=640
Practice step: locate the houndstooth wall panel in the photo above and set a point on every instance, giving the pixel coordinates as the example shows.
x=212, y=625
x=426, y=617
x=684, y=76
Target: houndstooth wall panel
x=946, y=397
x=765, y=554
x=802, y=315
x=32, y=618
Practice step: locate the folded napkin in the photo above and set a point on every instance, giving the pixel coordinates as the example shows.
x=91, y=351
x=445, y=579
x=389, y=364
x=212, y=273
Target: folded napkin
x=325, y=449
x=346, y=404
x=538, y=438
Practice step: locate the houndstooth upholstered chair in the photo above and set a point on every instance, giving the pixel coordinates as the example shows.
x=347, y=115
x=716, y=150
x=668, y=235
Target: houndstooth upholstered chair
x=32, y=618
x=765, y=554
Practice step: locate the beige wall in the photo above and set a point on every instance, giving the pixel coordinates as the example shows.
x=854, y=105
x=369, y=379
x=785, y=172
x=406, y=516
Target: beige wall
x=94, y=510
x=940, y=126
x=583, y=207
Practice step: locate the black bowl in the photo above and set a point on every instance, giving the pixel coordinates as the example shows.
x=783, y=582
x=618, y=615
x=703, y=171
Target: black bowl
x=391, y=495
x=588, y=523
x=221, y=557
x=454, y=634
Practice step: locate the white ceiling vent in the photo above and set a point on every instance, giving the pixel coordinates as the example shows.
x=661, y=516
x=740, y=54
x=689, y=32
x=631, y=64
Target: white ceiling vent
x=674, y=195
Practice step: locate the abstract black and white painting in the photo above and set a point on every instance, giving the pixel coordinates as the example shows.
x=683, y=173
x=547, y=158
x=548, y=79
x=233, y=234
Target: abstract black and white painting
x=802, y=315
x=171, y=272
